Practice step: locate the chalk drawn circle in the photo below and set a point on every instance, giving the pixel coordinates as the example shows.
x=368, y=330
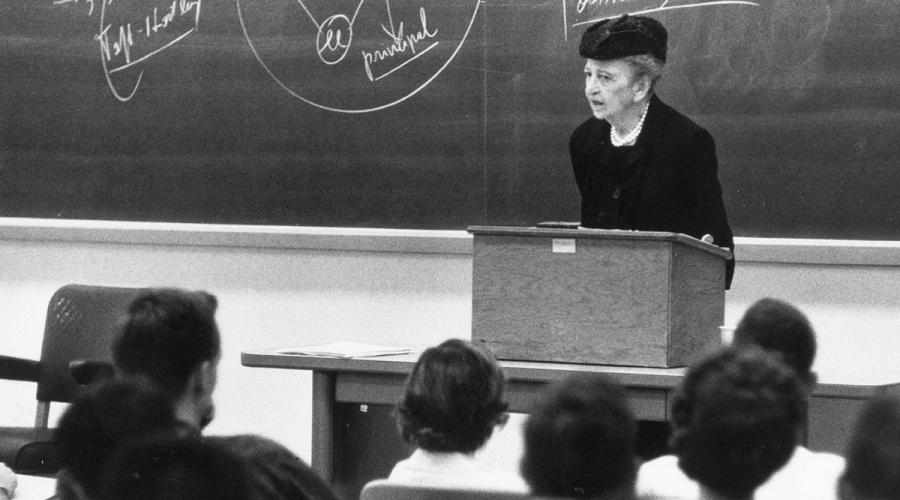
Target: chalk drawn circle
x=334, y=39
x=379, y=54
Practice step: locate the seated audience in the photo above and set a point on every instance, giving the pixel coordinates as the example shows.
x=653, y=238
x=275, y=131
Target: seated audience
x=188, y=468
x=873, y=456
x=784, y=331
x=579, y=441
x=452, y=402
x=170, y=337
x=101, y=419
x=735, y=421
x=7, y=482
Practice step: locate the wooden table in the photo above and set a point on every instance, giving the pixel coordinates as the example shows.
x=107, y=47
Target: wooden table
x=354, y=439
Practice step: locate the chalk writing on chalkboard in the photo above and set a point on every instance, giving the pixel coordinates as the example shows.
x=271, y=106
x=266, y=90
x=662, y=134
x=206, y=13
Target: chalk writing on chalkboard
x=132, y=32
x=729, y=50
x=591, y=11
x=358, y=56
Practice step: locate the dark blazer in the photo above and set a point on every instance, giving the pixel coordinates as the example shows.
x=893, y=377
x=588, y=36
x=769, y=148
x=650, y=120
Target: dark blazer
x=668, y=181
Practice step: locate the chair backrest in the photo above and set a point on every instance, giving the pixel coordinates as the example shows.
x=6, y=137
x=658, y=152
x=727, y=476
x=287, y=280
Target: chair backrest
x=382, y=489
x=81, y=322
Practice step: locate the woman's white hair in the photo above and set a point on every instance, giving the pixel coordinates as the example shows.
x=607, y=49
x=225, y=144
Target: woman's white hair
x=646, y=65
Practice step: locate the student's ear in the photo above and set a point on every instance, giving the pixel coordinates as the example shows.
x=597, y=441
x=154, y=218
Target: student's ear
x=205, y=378
x=202, y=409
x=811, y=379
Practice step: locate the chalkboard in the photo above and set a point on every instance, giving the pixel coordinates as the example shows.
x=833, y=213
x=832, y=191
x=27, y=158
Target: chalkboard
x=428, y=113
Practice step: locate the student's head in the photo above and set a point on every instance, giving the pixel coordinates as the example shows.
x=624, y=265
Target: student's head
x=170, y=337
x=453, y=398
x=579, y=441
x=101, y=419
x=736, y=420
x=873, y=456
x=780, y=328
x=187, y=468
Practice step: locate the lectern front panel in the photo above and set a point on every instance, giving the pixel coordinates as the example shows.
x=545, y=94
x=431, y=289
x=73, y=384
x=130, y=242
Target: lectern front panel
x=634, y=302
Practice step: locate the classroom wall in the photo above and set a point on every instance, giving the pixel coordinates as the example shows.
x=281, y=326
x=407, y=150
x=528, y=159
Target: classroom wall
x=289, y=286
x=268, y=297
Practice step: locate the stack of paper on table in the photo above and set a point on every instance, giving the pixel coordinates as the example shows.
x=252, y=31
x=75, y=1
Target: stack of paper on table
x=345, y=350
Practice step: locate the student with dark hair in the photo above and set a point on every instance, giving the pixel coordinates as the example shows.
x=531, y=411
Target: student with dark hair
x=452, y=402
x=783, y=331
x=170, y=337
x=100, y=420
x=873, y=456
x=780, y=328
x=736, y=420
x=579, y=441
x=188, y=468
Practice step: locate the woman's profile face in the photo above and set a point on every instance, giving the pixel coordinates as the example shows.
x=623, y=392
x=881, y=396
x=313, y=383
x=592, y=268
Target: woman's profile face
x=609, y=87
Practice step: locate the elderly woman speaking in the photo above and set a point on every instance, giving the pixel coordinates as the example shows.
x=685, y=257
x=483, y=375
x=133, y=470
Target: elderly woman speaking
x=640, y=164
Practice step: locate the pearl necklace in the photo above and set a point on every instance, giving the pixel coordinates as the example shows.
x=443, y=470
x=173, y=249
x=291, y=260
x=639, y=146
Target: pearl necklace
x=629, y=138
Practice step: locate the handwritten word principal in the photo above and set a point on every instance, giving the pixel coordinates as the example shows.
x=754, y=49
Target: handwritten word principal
x=126, y=44
x=402, y=44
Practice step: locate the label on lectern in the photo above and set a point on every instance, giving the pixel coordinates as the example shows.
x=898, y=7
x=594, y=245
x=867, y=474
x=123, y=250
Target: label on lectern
x=563, y=245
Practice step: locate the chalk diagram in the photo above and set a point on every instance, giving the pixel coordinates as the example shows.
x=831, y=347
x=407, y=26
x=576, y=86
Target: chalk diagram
x=128, y=40
x=355, y=56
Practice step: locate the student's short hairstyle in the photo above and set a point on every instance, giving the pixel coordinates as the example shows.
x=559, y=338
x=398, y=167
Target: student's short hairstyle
x=781, y=328
x=579, y=440
x=873, y=455
x=104, y=417
x=186, y=468
x=736, y=419
x=453, y=398
x=167, y=334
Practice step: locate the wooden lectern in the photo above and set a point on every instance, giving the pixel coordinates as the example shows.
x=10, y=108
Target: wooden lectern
x=596, y=296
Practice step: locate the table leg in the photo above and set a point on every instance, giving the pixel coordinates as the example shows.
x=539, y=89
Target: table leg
x=323, y=424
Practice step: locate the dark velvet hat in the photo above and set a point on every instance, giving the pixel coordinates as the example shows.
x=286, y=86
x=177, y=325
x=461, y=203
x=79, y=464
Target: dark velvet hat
x=624, y=36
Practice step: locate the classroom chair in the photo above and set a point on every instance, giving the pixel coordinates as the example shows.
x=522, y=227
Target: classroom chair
x=78, y=330
x=382, y=489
